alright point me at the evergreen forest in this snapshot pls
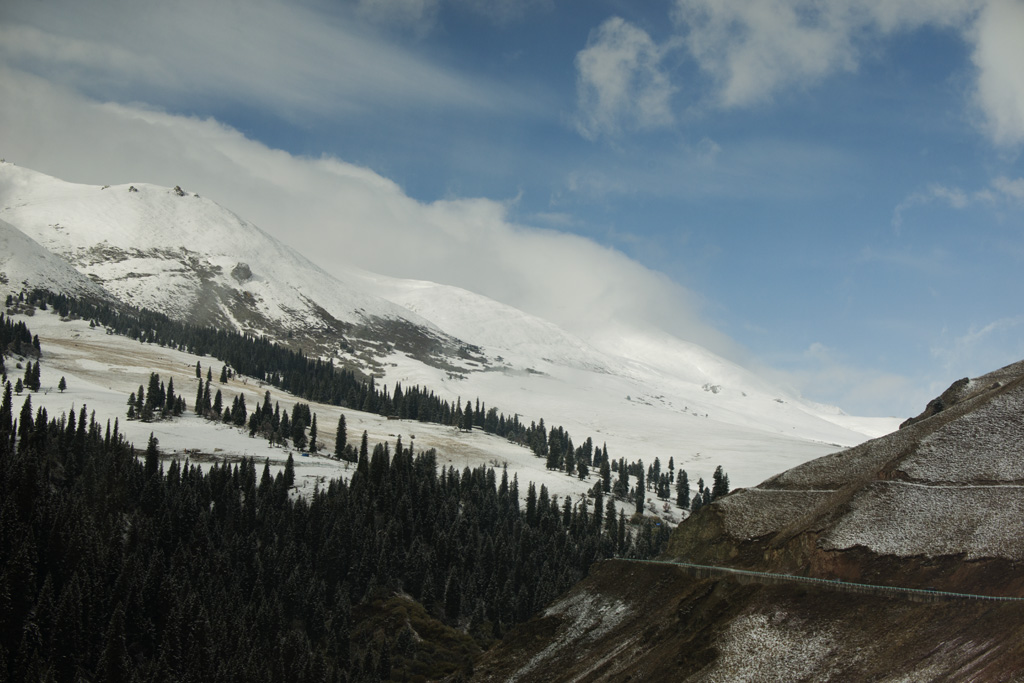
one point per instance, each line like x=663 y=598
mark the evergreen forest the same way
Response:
x=118 y=566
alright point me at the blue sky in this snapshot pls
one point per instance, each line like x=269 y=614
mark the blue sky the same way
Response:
x=831 y=192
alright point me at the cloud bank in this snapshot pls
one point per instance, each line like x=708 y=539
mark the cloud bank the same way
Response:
x=339 y=214
x=753 y=50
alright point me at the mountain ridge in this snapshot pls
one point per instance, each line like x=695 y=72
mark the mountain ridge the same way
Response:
x=174 y=252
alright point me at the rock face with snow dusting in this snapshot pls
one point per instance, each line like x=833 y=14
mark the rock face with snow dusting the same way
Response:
x=938 y=506
x=942 y=500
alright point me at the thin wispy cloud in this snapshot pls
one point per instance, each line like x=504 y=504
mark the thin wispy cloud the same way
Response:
x=182 y=51
x=1001 y=190
x=982 y=348
x=621 y=84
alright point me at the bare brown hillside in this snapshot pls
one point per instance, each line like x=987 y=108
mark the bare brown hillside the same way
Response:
x=938 y=505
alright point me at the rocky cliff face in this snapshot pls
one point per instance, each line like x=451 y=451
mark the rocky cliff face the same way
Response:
x=938 y=505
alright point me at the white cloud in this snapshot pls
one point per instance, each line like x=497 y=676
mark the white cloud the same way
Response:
x=502 y=12
x=982 y=349
x=754 y=49
x=1002 y=188
x=998 y=38
x=1012 y=188
x=620 y=83
x=420 y=15
x=824 y=371
x=338 y=213
x=292 y=59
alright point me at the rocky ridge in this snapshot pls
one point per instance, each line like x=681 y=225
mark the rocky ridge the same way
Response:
x=937 y=506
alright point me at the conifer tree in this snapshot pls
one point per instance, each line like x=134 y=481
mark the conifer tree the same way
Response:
x=62 y=385
x=170 y=402
x=340 y=438
x=152 y=455
x=312 y=435
x=720 y=483
x=199 y=393
x=683 y=490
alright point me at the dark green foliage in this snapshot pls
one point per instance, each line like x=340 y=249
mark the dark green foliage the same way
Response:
x=16 y=338
x=113 y=570
x=158 y=403
x=32 y=380
x=720 y=483
x=683 y=490
x=340 y=438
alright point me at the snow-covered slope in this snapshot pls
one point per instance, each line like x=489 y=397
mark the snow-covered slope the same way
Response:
x=644 y=393
x=25 y=264
x=186 y=256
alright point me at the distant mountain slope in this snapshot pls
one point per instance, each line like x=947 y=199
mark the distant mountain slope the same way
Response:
x=183 y=255
x=25 y=264
x=646 y=394
x=936 y=506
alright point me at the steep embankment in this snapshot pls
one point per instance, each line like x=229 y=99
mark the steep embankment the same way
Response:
x=935 y=506
x=634 y=622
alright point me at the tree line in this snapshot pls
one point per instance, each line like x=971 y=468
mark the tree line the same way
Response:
x=320 y=381
x=114 y=567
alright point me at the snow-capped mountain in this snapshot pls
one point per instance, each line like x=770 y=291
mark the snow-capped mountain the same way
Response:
x=186 y=256
x=646 y=394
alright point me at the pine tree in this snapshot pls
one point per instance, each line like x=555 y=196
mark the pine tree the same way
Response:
x=223 y=374
x=312 y=435
x=115 y=664
x=152 y=456
x=683 y=490
x=32 y=381
x=720 y=484
x=199 y=393
x=62 y=385
x=289 y=472
x=340 y=438
x=170 y=402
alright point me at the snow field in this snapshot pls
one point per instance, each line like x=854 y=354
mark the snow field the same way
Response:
x=102 y=370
